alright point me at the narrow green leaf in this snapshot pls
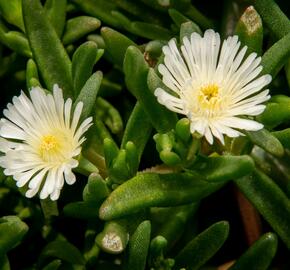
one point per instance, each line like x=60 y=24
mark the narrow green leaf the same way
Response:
x=78 y=27
x=12 y=230
x=224 y=168
x=187 y=29
x=138 y=247
x=12 y=12
x=88 y=94
x=250 y=30
x=157 y=5
x=170 y=158
x=56 y=13
x=151 y=189
x=283 y=136
x=273 y=17
x=100 y=9
x=193 y=13
x=269 y=200
x=15 y=41
x=177 y=17
x=85 y=167
x=182 y=129
x=31 y=74
x=54 y=265
x=83 y=61
x=111 y=151
x=201 y=248
x=63 y=250
x=275 y=114
x=136 y=72
x=275 y=57
x=119 y=171
x=259 y=255
x=267 y=141
x=138 y=121
x=96 y=189
x=116 y=44
x=140 y=10
x=132 y=158
x=48 y=51
x=109 y=115
x=173 y=228
x=150 y=31
x=4 y=263
x=123 y=20
x=109 y=88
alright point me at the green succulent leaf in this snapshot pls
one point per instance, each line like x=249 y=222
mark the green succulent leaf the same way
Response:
x=88 y=94
x=100 y=9
x=275 y=114
x=48 y=51
x=12 y=230
x=12 y=12
x=138 y=247
x=276 y=57
x=267 y=141
x=283 y=136
x=78 y=27
x=109 y=115
x=54 y=265
x=273 y=17
x=83 y=61
x=187 y=28
x=150 y=31
x=15 y=40
x=172 y=229
x=224 y=168
x=138 y=121
x=56 y=13
x=4 y=263
x=136 y=71
x=32 y=79
x=116 y=44
x=152 y=189
x=259 y=255
x=96 y=189
x=269 y=200
x=201 y=248
x=62 y=249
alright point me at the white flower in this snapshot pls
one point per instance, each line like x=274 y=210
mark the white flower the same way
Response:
x=40 y=140
x=213 y=86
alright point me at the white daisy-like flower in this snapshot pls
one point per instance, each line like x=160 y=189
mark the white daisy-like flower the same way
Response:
x=40 y=140
x=213 y=85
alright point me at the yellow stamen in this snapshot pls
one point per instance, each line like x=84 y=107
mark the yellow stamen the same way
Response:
x=210 y=91
x=49 y=146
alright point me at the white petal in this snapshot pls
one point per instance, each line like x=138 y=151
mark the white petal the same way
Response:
x=70 y=178
x=240 y=123
x=172 y=103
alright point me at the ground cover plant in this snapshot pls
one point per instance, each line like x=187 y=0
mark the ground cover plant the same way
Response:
x=149 y=134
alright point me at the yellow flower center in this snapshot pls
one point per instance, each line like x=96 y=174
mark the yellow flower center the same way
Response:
x=210 y=91
x=208 y=97
x=48 y=143
x=49 y=147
